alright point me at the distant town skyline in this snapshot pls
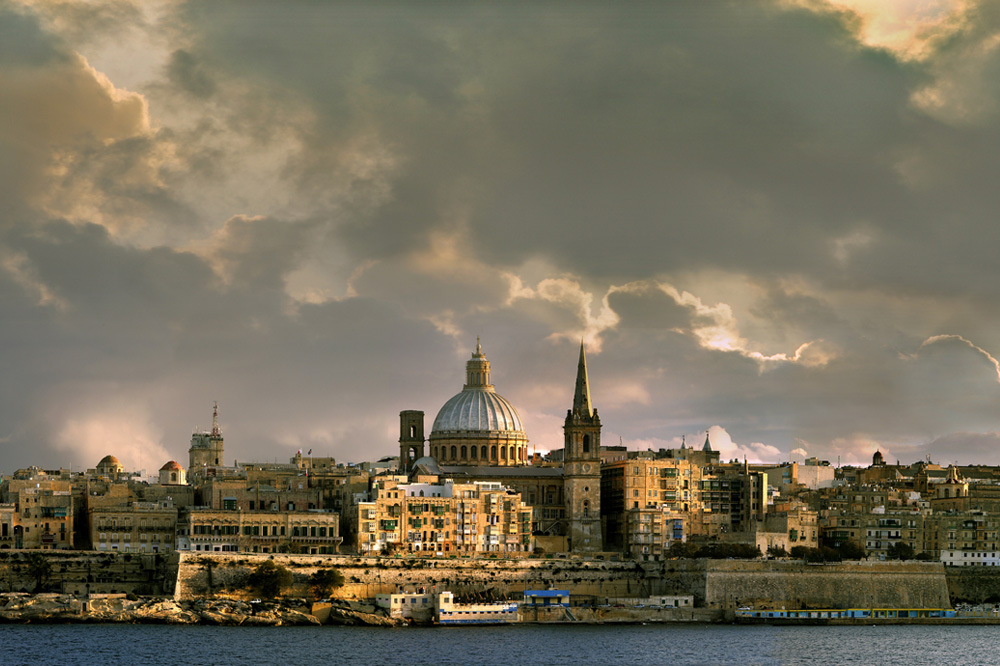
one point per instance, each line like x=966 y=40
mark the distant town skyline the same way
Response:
x=774 y=219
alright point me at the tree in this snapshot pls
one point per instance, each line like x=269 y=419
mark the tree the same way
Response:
x=852 y=550
x=776 y=551
x=900 y=551
x=40 y=569
x=269 y=579
x=325 y=581
x=682 y=549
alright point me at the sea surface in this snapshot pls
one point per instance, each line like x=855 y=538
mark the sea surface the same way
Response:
x=152 y=645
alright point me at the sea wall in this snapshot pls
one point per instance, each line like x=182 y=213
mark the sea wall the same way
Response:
x=201 y=574
x=793 y=584
x=974 y=585
x=86 y=572
x=712 y=583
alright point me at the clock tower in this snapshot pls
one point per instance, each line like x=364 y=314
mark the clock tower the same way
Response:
x=582 y=468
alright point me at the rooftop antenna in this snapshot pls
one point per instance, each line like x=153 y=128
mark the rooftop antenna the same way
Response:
x=216 y=432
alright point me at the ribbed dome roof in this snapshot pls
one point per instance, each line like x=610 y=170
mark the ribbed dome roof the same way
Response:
x=109 y=460
x=477 y=410
x=173 y=464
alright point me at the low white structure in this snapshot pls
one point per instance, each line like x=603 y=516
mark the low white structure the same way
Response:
x=970 y=558
x=448 y=612
x=663 y=601
x=418 y=606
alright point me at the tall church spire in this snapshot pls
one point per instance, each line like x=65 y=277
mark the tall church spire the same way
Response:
x=581 y=397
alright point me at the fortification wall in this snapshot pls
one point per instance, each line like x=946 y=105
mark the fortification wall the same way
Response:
x=713 y=583
x=83 y=572
x=974 y=585
x=844 y=585
x=367 y=576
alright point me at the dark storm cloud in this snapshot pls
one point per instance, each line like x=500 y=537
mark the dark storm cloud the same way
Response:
x=185 y=72
x=308 y=211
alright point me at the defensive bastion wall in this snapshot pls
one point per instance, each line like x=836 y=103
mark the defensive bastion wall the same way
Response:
x=713 y=583
x=845 y=585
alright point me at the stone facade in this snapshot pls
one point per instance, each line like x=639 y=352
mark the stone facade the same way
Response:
x=140 y=527
x=448 y=518
x=210 y=530
x=582 y=467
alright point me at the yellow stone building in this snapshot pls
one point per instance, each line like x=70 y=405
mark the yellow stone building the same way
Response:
x=447 y=518
x=213 y=530
x=139 y=527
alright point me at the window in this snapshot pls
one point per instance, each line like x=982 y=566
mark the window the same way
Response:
x=586 y=443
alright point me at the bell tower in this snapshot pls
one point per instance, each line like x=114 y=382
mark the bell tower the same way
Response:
x=582 y=467
x=411 y=438
x=207 y=448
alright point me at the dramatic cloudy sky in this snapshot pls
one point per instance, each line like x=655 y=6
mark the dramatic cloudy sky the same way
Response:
x=773 y=219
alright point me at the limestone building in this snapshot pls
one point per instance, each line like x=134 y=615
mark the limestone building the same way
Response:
x=445 y=519
x=172 y=474
x=207 y=448
x=478 y=436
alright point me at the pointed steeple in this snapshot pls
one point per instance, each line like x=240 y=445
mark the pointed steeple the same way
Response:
x=708 y=444
x=683 y=443
x=581 y=397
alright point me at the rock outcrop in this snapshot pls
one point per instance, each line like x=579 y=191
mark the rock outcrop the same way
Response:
x=45 y=608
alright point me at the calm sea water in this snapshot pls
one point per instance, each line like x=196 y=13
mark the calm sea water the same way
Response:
x=150 y=645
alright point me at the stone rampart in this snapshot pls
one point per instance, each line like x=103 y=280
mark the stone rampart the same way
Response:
x=713 y=583
x=974 y=585
x=86 y=572
x=791 y=584
x=202 y=574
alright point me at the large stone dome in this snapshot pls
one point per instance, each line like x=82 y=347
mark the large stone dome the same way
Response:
x=478 y=426
x=476 y=409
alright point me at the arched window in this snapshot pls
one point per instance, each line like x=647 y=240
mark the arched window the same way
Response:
x=434 y=451
x=493 y=453
x=510 y=453
x=454 y=452
x=586 y=508
x=586 y=443
x=503 y=453
x=465 y=452
x=475 y=450
x=484 y=452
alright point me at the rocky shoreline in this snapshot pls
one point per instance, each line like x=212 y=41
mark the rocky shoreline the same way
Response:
x=62 y=608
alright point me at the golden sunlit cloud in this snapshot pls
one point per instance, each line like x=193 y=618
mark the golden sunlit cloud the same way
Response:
x=18 y=267
x=905 y=27
x=958 y=338
x=571 y=295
